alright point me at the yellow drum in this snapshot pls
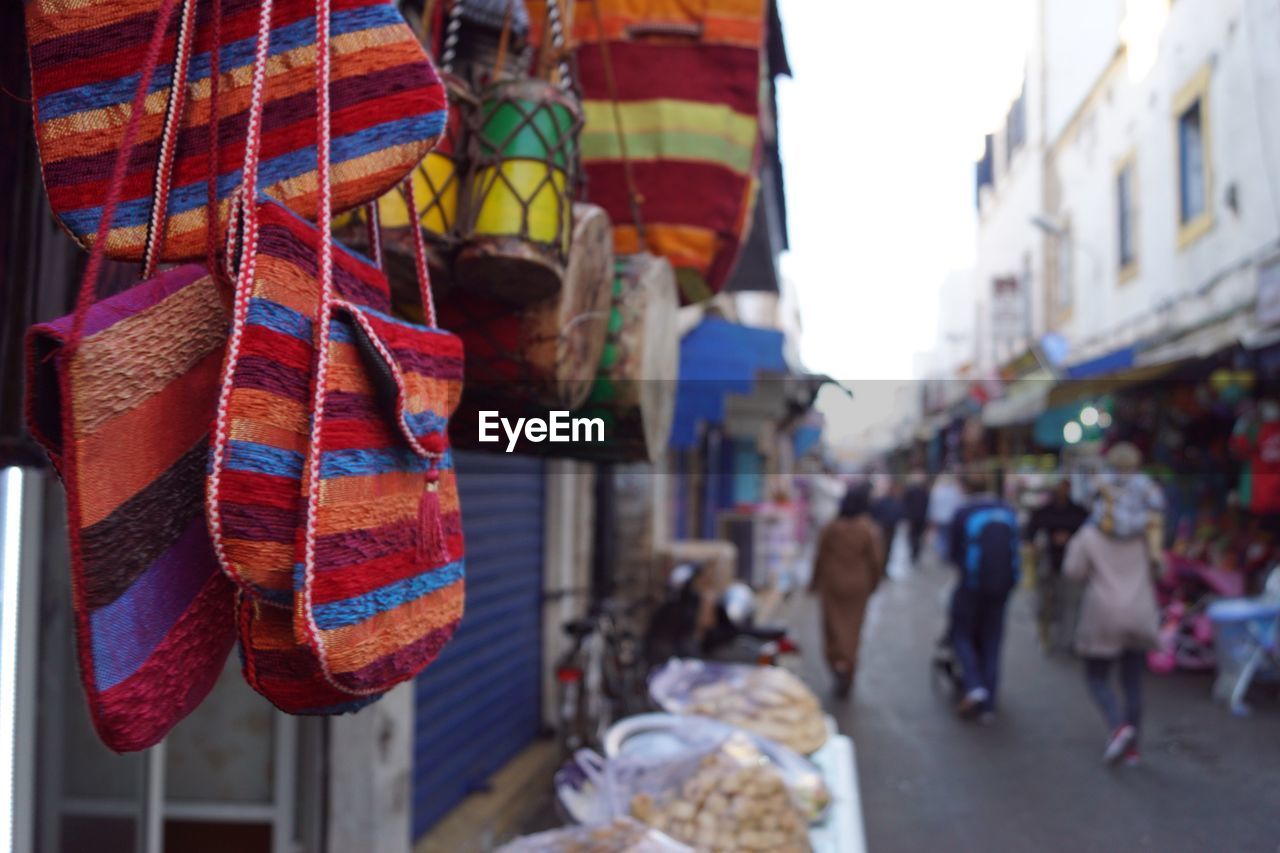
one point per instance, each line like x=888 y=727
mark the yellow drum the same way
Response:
x=438 y=189
x=519 y=215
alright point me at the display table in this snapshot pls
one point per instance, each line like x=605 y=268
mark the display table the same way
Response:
x=842 y=830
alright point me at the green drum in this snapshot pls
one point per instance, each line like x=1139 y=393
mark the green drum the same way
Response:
x=524 y=176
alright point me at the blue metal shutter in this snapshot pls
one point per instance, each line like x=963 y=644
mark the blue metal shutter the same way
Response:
x=480 y=703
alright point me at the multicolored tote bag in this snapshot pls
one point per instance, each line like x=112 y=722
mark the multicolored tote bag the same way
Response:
x=122 y=395
x=134 y=403
x=387 y=110
x=330 y=496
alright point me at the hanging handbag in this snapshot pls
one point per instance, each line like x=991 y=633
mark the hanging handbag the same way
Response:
x=330 y=497
x=121 y=394
x=388 y=109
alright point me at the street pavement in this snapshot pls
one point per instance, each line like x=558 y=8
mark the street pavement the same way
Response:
x=1034 y=781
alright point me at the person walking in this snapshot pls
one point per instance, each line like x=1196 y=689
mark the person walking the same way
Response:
x=887 y=510
x=944 y=500
x=915 y=506
x=1056 y=522
x=1119 y=622
x=984 y=549
x=849 y=567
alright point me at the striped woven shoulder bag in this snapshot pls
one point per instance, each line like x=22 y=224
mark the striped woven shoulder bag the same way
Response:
x=331 y=497
x=122 y=394
x=387 y=112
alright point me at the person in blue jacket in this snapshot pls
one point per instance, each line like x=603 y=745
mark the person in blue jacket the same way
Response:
x=984 y=549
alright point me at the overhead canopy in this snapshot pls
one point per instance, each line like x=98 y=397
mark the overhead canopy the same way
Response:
x=1103 y=365
x=1026 y=399
x=1200 y=343
x=718 y=358
x=1071 y=391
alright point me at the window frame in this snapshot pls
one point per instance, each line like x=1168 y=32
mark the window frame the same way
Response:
x=1195 y=92
x=1127 y=268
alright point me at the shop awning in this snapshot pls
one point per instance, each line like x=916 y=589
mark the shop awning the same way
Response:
x=1199 y=343
x=1104 y=365
x=1023 y=403
x=1069 y=391
x=718 y=358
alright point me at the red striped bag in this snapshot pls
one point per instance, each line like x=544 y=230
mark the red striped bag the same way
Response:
x=330 y=495
x=388 y=109
x=121 y=394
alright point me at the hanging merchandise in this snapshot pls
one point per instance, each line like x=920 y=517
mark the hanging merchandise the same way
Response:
x=331 y=497
x=133 y=402
x=635 y=388
x=491 y=39
x=544 y=355
x=388 y=109
x=671 y=143
x=519 y=216
x=439 y=183
x=1257 y=442
x=121 y=394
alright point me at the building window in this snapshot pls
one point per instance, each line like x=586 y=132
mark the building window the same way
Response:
x=1195 y=178
x=984 y=170
x=1015 y=126
x=1191 y=164
x=1126 y=219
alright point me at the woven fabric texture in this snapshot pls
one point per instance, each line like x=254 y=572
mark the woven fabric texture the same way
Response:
x=388 y=109
x=383 y=592
x=154 y=616
x=687 y=77
x=326 y=628
x=259 y=495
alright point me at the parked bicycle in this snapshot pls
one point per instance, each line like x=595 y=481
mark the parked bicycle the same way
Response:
x=601 y=677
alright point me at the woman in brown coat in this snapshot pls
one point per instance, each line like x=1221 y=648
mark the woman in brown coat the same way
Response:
x=848 y=568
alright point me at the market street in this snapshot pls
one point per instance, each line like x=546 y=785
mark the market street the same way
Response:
x=1034 y=780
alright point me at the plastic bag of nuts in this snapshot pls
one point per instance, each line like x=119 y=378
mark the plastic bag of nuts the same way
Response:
x=621 y=835
x=727 y=798
x=766 y=700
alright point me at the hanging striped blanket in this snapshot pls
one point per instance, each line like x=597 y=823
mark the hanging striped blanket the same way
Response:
x=688 y=82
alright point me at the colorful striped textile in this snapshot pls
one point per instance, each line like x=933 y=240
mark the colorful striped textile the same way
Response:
x=383 y=585
x=366 y=596
x=388 y=109
x=280 y=668
x=135 y=402
x=688 y=85
x=258 y=502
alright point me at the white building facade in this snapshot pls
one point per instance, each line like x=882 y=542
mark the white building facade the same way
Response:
x=1132 y=195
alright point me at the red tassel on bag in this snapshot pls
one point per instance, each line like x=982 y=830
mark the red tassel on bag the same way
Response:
x=431 y=544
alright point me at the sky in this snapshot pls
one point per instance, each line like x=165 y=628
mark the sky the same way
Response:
x=879 y=130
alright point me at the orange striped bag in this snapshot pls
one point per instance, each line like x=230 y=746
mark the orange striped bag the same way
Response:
x=387 y=111
x=330 y=498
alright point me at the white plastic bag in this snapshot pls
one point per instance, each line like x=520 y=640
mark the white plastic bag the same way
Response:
x=766 y=700
x=723 y=797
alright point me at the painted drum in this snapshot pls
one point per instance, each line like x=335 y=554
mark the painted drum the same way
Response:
x=634 y=391
x=438 y=184
x=524 y=359
x=519 y=216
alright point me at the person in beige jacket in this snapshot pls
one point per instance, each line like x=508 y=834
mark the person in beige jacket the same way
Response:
x=849 y=566
x=1119 y=620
